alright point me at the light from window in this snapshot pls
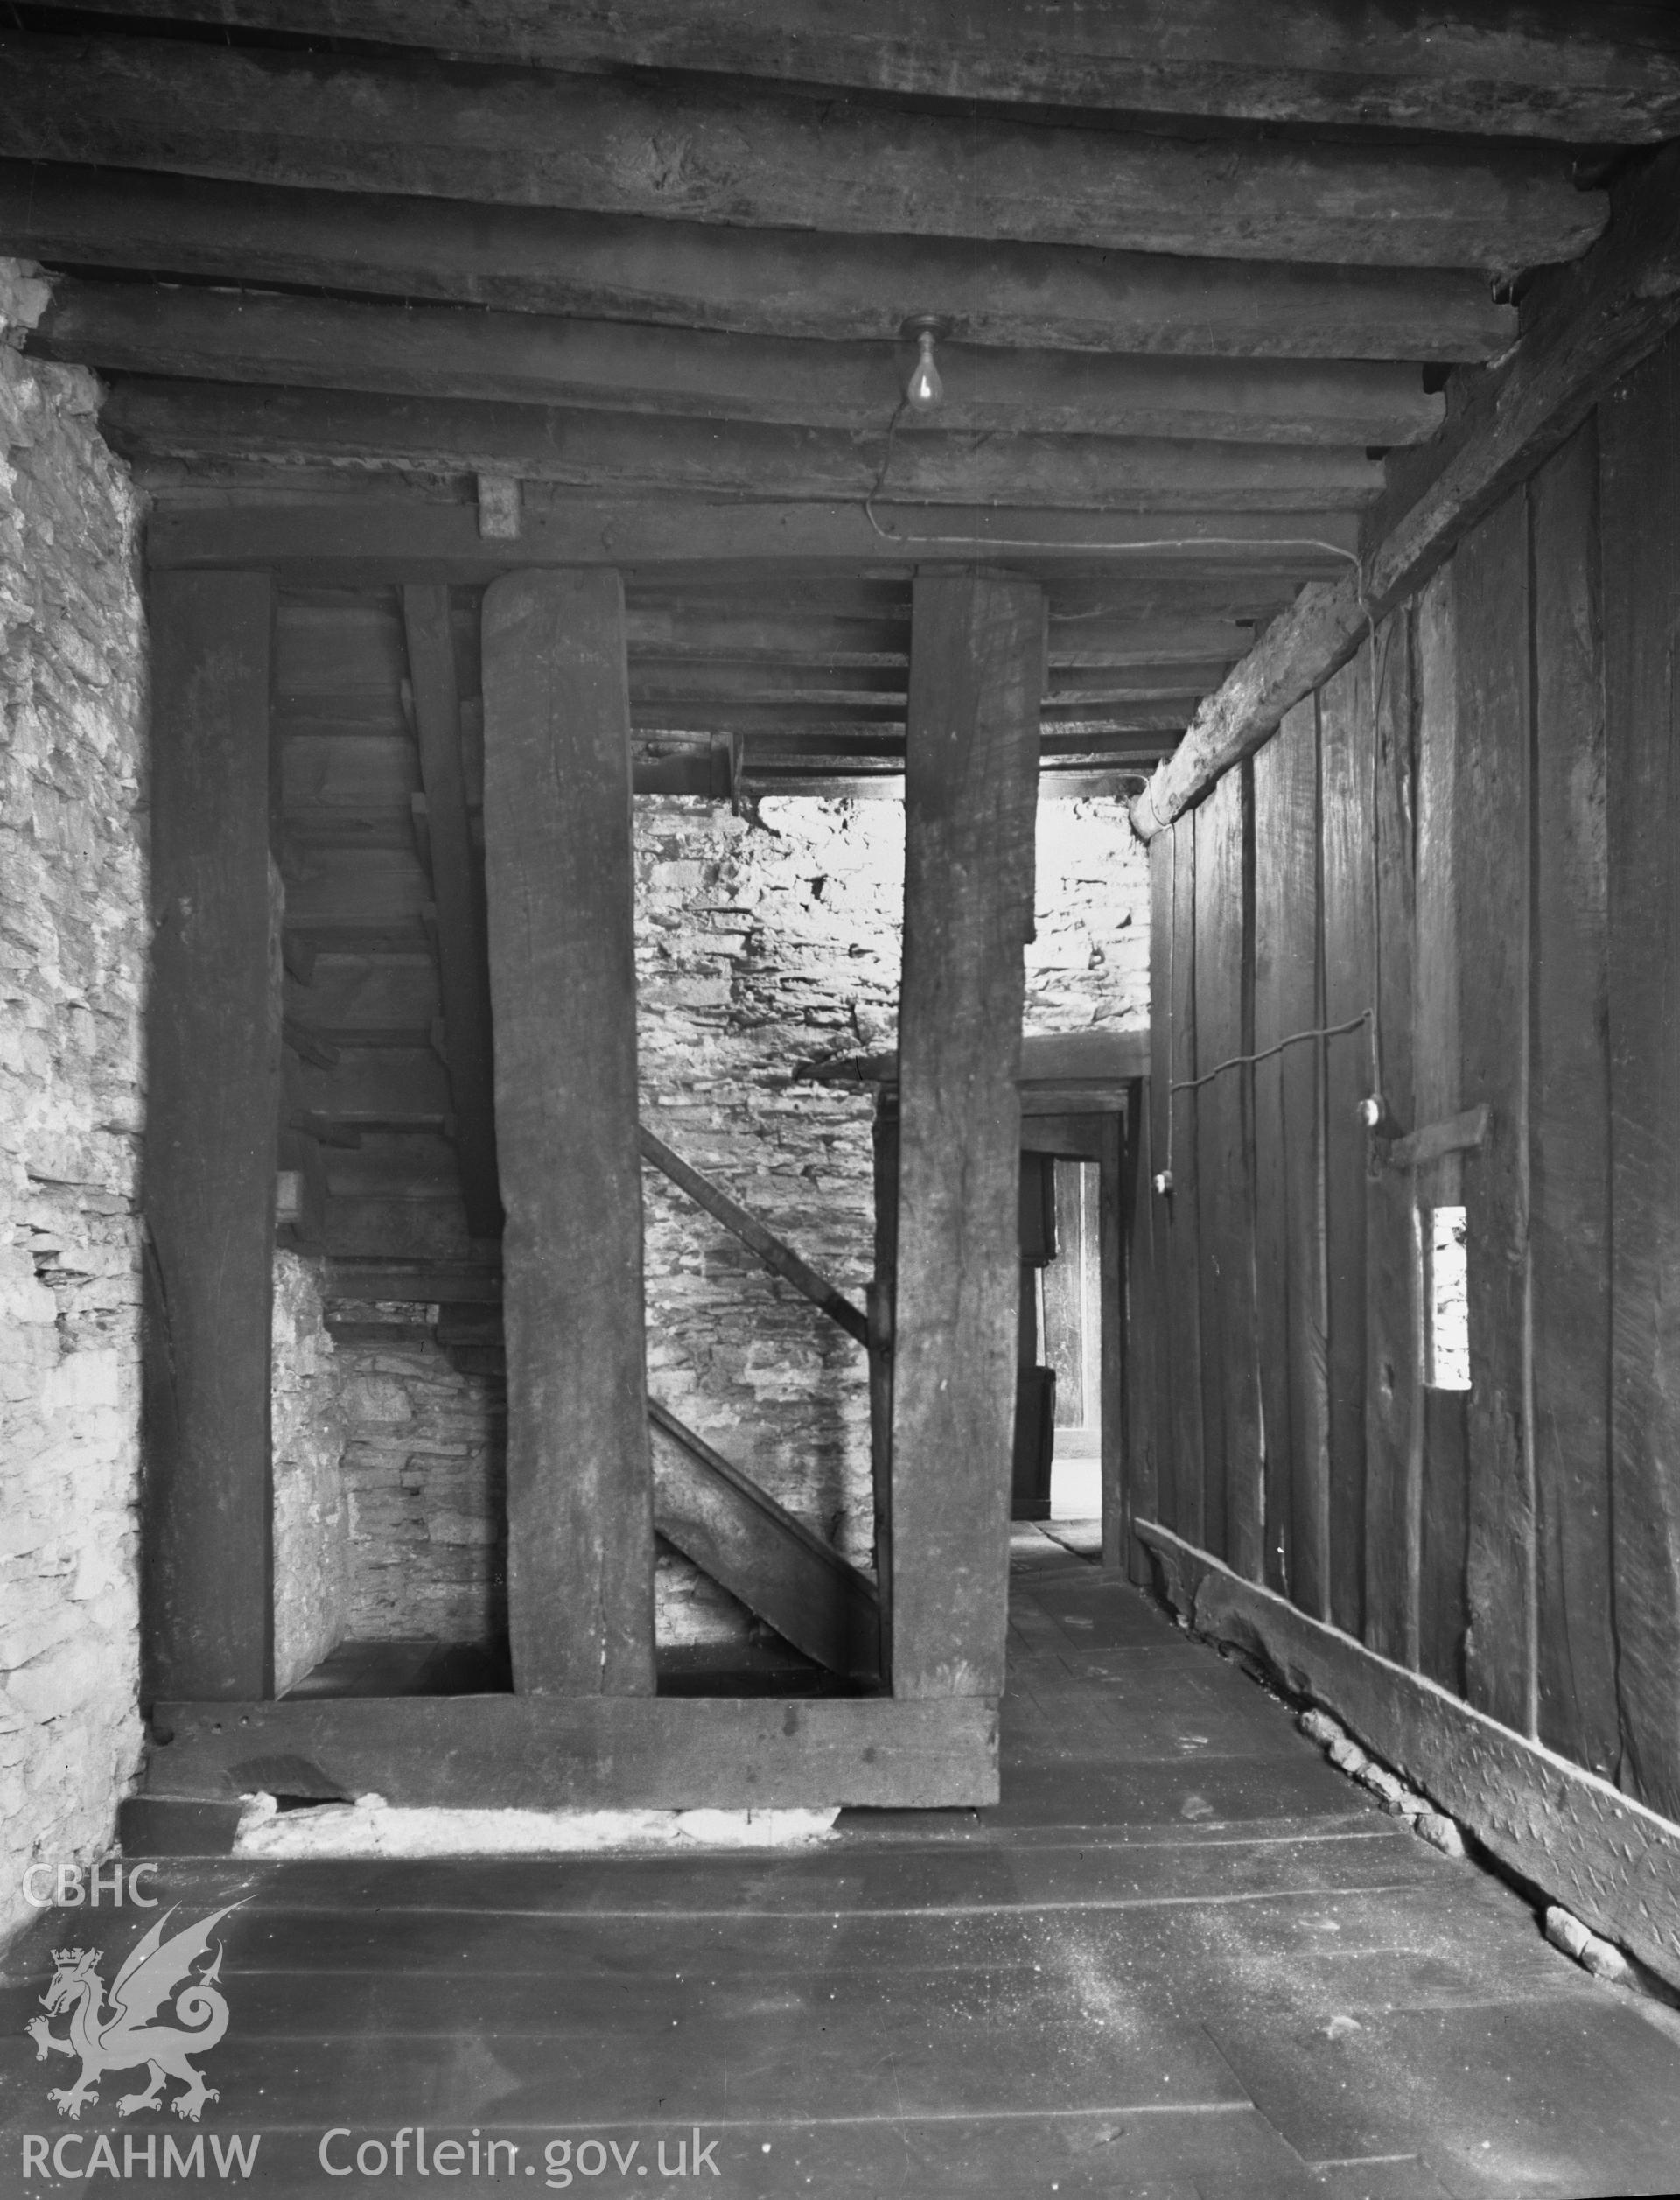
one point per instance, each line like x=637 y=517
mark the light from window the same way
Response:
x=1449 y=1300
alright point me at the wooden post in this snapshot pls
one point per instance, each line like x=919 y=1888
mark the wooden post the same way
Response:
x=976 y=678
x=213 y=1068
x=560 y=884
x=1128 y=1456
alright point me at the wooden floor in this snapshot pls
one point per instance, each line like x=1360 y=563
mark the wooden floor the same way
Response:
x=1183 y=1960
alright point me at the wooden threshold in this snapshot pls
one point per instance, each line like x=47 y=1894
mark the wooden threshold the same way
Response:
x=1613 y=1862
x=590 y=1752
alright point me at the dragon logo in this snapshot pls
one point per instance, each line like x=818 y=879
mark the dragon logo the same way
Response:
x=157 y=1972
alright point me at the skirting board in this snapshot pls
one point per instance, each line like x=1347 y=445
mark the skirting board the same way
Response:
x=1613 y=1862
x=584 y=1752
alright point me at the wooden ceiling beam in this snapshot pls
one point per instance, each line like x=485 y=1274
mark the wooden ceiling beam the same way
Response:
x=836 y=727
x=1583 y=327
x=663 y=685
x=363 y=540
x=599 y=450
x=441 y=352
x=718 y=152
x=1612 y=73
x=756 y=282
x=659 y=637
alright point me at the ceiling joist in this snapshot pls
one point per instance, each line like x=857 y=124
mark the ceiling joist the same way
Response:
x=757 y=282
x=718 y=153
x=1584 y=328
x=1611 y=72
x=599 y=450
x=539 y=358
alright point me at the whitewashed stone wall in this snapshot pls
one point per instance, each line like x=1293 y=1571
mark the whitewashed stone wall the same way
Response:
x=73 y=952
x=311 y=1553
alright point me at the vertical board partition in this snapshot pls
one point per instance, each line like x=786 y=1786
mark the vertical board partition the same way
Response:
x=1446 y=883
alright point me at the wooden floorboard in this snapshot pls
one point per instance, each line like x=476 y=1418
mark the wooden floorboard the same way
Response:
x=1182 y=1959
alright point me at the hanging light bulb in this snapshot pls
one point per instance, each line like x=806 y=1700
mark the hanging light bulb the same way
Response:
x=924 y=392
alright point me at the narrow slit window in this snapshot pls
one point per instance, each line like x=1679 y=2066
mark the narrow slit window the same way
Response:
x=1449 y=1300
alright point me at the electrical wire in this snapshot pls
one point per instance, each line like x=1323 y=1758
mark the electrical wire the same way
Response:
x=1238 y=1061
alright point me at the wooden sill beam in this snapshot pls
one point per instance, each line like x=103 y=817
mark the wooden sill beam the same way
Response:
x=258 y=337
x=755 y=283
x=1613 y=75
x=1613 y=1862
x=750 y=158
x=592 y=1752
x=639 y=452
x=1583 y=327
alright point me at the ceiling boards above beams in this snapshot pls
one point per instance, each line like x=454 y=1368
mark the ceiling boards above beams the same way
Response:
x=1583 y=327
x=755 y=282
x=1612 y=73
x=623 y=451
x=257 y=337
x=714 y=152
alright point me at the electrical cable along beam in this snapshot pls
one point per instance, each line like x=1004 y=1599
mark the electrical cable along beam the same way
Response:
x=780 y=1259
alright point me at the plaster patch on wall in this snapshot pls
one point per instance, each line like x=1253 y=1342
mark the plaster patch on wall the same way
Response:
x=311 y=1544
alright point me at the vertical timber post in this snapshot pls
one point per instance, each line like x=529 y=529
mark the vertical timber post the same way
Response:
x=560 y=884
x=213 y=1122
x=976 y=681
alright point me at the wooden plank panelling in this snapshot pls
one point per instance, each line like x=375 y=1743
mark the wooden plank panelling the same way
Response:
x=976 y=674
x=1639 y=427
x=1123 y=1473
x=1349 y=990
x=1182 y=1217
x=558 y=843
x=1443 y=1615
x=1224 y=1144
x=1491 y=821
x=1393 y=1302
x=1569 y=1122
x=1289 y=1265
x=1141 y=1475
x=1159 y=1101
x=212 y=1123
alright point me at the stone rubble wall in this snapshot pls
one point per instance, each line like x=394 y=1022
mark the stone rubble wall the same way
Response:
x=311 y=1539
x=73 y=960
x=424 y=1481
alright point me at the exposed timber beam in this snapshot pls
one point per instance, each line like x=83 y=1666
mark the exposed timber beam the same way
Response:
x=589 y=1753
x=718 y=153
x=366 y=540
x=1610 y=73
x=638 y=451
x=659 y=636
x=561 y=892
x=755 y=282
x=760 y=1552
x=1583 y=327
x=618 y=367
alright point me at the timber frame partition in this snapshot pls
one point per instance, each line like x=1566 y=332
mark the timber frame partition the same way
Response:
x=584 y=1727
